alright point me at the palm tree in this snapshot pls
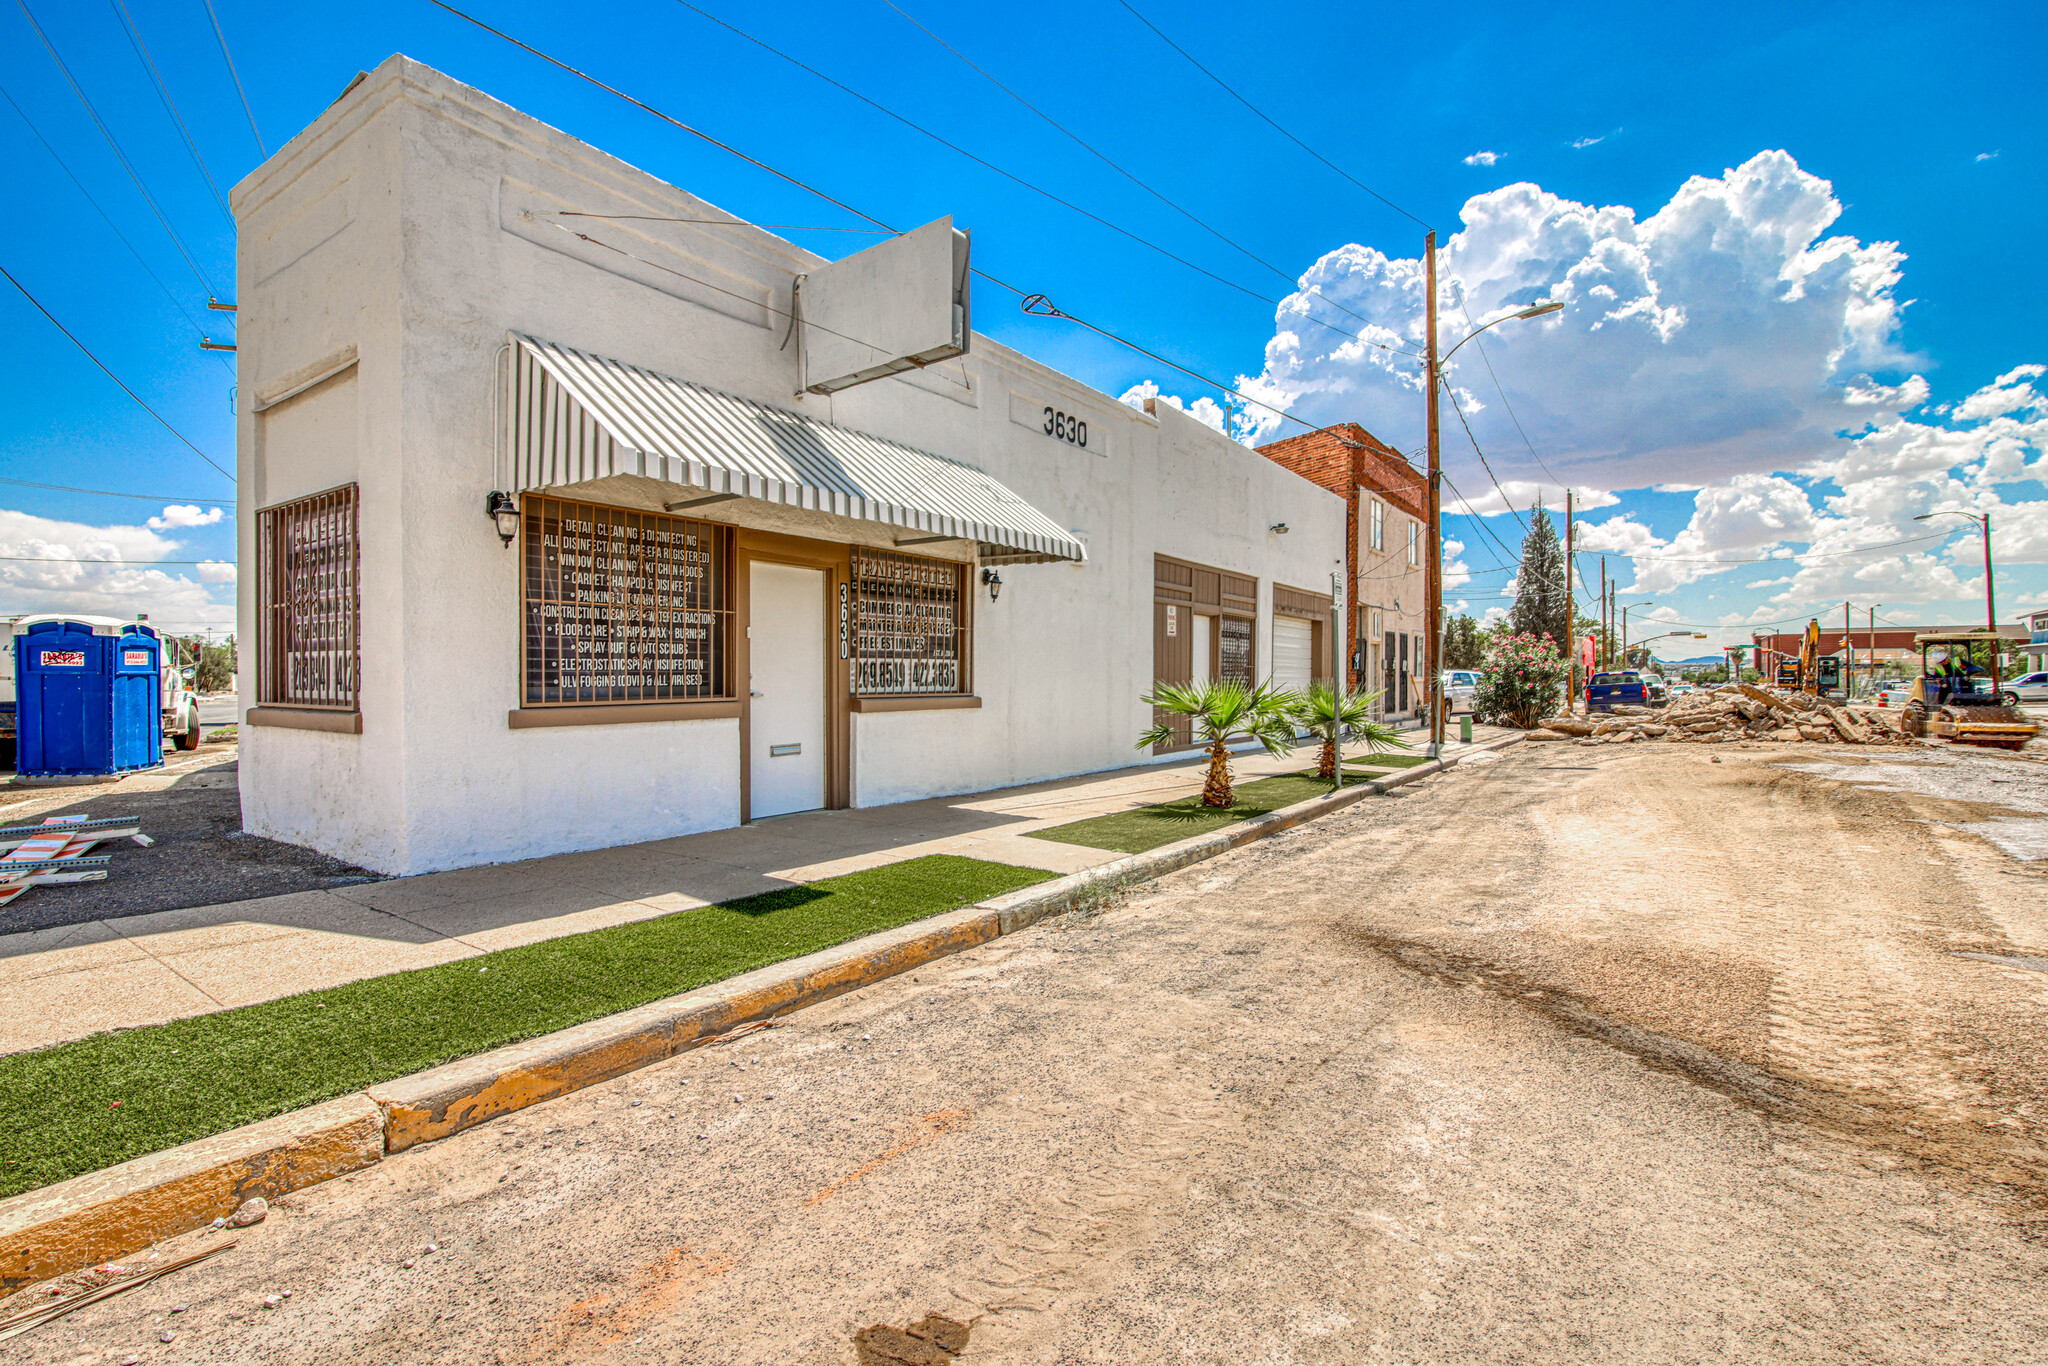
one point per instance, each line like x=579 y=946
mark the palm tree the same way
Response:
x=1334 y=715
x=1222 y=710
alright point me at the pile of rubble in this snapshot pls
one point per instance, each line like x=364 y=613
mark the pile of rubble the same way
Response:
x=1733 y=711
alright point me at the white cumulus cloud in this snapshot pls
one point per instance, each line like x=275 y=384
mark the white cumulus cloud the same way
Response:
x=1482 y=159
x=47 y=565
x=184 y=515
x=1204 y=410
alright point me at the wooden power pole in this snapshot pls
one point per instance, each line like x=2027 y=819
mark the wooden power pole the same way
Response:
x=1434 y=563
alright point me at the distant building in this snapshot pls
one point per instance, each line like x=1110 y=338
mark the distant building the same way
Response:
x=1890 y=645
x=1386 y=537
x=2036 y=654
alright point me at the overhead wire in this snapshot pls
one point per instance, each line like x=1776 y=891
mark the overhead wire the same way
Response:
x=1505 y=500
x=1025 y=183
x=122 y=237
x=140 y=402
x=1269 y=120
x=119 y=155
x=1110 y=162
x=163 y=93
x=219 y=36
x=110 y=493
x=1028 y=299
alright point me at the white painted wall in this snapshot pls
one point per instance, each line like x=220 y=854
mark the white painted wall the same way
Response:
x=408 y=223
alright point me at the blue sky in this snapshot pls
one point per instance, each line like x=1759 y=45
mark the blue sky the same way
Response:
x=1712 y=188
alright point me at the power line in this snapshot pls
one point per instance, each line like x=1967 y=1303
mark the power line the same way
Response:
x=1106 y=160
x=1505 y=500
x=1773 y=559
x=714 y=222
x=119 y=155
x=163 y=93
x=234 y=75
x=1027 y=299
x=111 y=225
x=1269 y=120
x=1024 y=183
x=119 y=564
x=109 y=373
x=109 y=493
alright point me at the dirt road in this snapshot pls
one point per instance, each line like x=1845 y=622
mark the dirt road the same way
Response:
x=1583 y=1055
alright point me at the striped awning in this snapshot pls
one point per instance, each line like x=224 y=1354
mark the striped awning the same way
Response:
x=574 y=417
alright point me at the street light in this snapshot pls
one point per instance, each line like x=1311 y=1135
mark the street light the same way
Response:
x=1434 y=616
x=1624 y=628
x=1983 y=521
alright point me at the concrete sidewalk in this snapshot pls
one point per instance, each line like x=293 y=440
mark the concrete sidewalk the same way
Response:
x=118 y=973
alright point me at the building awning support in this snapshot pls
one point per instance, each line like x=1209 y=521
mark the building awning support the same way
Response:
x=574 y=417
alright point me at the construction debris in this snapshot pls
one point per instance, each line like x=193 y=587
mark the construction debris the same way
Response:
x=1731 y=712
x=18 y=1324
x=52 y=851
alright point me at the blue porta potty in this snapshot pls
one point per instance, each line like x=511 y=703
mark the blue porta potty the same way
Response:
x=88 y=697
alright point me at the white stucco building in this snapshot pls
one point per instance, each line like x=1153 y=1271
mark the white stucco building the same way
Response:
x=721 y=599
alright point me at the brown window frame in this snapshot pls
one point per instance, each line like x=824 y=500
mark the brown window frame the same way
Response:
x=319 y=607
x=867 y=625
x=620 y=605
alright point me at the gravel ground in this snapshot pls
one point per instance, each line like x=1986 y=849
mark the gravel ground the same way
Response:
x=192 y=808
x=1573 y=1056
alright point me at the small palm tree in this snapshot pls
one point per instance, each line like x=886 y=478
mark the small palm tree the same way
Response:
x=1223 y=710
x=1334 y=715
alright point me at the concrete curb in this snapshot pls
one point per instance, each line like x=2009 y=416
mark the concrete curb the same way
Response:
x=125 y=1208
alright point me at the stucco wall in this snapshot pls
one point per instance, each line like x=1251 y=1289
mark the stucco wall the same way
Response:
x=445 y=249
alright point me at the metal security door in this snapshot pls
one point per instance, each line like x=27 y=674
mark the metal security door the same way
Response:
x=786 y=702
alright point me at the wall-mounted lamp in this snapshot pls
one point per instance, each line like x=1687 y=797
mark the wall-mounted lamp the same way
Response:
x=503 y=509
x=994 y=582
x=1278 y=528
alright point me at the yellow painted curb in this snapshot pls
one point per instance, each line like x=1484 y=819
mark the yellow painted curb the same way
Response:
x=123 y=1209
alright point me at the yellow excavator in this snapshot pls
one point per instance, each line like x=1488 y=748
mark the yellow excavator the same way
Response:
x=1959 y=700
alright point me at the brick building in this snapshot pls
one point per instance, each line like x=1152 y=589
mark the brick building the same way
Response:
x=1386 y=538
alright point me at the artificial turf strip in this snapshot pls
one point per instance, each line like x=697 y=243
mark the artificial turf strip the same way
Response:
x=1148 y=827
x=1389 y=760
x=80 y=1106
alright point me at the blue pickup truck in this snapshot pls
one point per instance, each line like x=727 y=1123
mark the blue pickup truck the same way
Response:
x=1604 y=692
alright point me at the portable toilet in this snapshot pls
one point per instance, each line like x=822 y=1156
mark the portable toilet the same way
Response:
x=87 y=696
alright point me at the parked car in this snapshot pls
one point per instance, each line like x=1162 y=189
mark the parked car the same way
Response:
x=1681 y=689
x=1606 y=691
x=1459 y=686
x=1659 y=689
x=2029 y=687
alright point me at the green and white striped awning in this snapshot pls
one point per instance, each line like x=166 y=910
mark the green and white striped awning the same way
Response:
x=575 y=417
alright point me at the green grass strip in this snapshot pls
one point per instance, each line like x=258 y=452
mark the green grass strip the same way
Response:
x=1389 y=760
x=80 y=1106
x=1148 y=827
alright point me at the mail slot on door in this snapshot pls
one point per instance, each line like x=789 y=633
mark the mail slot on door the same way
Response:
x=784 y=751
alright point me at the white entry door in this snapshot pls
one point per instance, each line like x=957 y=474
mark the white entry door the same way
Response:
x=786 y=706
x=1294 y=659
x=1200 y=647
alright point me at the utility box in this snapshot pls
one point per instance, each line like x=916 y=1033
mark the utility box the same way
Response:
x=87 y=697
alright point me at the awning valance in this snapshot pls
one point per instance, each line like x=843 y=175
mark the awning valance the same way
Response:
x=574 y=417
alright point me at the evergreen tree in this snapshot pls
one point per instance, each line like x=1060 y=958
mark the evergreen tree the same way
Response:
x=1542 y=607
x=1464 y=643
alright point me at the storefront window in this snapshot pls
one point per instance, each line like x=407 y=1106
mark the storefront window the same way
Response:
x=1234 y=649
x=624 y=606
x=904 y=627
x=309 y=603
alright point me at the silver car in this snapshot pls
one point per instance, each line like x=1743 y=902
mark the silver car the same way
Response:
x=2029 y=687
x=1459 y=686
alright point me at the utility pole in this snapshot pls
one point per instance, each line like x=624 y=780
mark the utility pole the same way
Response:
x=1849 y=648
x=1873 y=648
x=1433 y=550
x=1600 y=657
x=1571 y=605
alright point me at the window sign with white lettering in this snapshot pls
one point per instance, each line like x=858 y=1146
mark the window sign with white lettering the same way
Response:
x=624 y=606
x=910 y=628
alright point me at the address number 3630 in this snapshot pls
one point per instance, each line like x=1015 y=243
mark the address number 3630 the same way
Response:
x=1062 y=427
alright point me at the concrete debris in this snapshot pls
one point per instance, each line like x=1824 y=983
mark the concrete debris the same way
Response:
x=1732 y=712
x=253 y=1211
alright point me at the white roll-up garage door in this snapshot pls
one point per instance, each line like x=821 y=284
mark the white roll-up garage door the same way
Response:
x=1293 y=652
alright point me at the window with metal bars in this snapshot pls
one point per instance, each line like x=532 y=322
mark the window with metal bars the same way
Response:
x=908 y=633
x=623 y=606
x=309 y=603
